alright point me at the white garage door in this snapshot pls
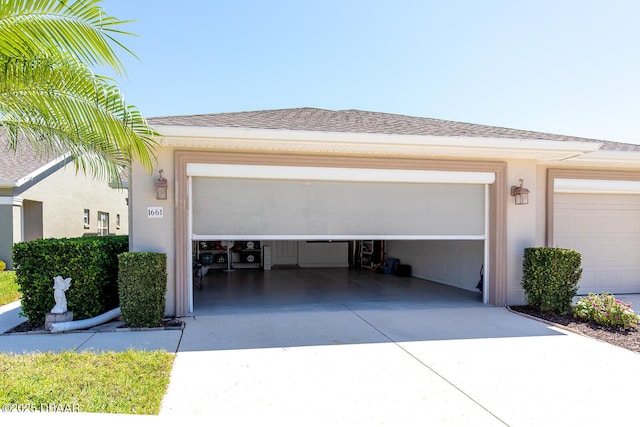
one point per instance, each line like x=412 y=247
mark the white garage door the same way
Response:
x=605 y=228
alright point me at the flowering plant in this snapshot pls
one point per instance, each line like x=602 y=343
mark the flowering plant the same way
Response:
x=607 y=310
x=3 y=265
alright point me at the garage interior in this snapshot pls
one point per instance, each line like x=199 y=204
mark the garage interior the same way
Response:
x=284 y=274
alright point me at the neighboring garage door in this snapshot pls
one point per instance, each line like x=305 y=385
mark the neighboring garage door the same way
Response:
x=605 y=228
x=335 y=205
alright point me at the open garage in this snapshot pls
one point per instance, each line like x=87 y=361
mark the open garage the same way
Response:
x=432 y=225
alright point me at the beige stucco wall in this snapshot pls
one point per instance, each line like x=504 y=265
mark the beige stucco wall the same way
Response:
x=154 y=234
x=65 y=195
x=521 y=225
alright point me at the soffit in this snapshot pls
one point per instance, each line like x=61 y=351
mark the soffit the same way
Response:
x=343 y=143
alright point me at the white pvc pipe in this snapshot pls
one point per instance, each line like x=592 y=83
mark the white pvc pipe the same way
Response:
x=86 y=323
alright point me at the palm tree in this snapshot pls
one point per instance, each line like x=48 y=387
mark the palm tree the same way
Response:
x=50 y=96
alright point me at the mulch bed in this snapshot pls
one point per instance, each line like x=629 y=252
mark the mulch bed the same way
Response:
x=36 y=327
x=626 y=338
x=27 y=326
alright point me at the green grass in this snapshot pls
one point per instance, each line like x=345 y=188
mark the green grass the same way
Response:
x=9 y=290
x=131 y=382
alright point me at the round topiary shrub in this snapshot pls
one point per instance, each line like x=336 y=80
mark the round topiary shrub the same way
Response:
x=142 y=284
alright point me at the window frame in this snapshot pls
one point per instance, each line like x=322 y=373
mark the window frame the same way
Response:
x=86 y=221
x=103 y=223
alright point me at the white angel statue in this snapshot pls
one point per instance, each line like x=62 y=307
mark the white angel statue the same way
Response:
x=60 y=285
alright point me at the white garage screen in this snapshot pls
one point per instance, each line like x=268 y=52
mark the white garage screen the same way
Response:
x=308 y=209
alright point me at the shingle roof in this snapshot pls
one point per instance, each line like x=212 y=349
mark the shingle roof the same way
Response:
x=24 y=161
x=357 y=121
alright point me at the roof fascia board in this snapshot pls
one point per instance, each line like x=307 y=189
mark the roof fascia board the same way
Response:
x=41 y=170
x=611 y=156
x=281 y=135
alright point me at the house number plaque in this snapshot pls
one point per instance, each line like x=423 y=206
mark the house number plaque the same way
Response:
x=155 y=212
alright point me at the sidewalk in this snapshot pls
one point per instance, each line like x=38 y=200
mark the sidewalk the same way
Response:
x=94 y=340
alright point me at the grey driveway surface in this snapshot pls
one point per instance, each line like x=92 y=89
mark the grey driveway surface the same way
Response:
x=379 y=360
x=480 y=366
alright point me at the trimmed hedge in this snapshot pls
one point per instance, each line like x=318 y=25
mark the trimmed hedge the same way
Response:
x=550 y=278
x=142 y=284
x=91 y=262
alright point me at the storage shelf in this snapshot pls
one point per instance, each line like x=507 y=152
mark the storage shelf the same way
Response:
x=241 y=249
x=368 y=253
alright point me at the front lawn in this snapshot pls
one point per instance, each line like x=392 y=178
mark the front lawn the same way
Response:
x=9 y=290
x=131 y=382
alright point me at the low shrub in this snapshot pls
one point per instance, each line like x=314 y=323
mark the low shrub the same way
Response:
x=550 y=278
x=142 y=284
x=91 y=262
x=606 y=310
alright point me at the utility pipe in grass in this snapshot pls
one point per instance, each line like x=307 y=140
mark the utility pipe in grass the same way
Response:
x=86 y=323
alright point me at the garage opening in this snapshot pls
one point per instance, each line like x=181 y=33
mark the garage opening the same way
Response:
x=288 y=273
x=435 y=222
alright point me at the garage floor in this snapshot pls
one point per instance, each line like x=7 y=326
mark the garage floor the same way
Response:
x=327 y=288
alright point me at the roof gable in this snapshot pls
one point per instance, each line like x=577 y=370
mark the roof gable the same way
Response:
x=25 y=161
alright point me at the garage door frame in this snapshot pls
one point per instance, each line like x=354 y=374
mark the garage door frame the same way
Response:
x=496 y=269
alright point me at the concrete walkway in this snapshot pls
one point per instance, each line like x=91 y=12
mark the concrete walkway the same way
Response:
x=370 y=365
x=94 y=340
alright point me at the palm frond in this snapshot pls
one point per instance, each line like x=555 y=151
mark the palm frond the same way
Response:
x=31 y=28
x=60 y=105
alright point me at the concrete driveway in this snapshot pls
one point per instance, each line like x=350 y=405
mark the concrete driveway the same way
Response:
x=400 y=363
x=361 y=354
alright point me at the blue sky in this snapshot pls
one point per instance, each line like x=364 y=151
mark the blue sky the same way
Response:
x=564 y=66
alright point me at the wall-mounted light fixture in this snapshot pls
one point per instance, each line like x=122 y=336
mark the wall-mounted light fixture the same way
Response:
x=521 y=194
x=161 y=187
